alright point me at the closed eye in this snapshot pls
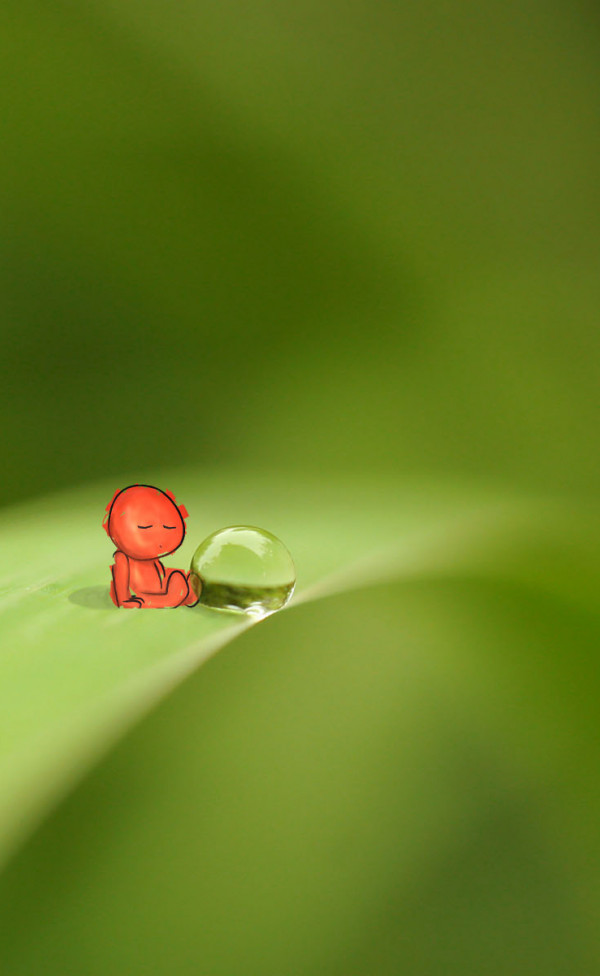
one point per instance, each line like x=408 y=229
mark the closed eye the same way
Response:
x=169 y=526
x=144 y=526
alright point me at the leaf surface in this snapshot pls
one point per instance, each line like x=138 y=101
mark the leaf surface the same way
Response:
x=75 y=672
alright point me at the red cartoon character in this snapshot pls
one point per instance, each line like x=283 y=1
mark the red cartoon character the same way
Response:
x=145 y=523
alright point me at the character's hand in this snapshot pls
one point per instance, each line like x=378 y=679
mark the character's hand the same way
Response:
x=133 y=604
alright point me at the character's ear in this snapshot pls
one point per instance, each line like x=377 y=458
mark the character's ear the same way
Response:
x=182 y=508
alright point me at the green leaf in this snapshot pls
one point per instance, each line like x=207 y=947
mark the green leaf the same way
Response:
x=76 y=673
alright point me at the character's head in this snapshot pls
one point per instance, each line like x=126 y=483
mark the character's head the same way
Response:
x=145 y=522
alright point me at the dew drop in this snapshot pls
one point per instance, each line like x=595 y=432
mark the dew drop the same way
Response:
x=244 y=569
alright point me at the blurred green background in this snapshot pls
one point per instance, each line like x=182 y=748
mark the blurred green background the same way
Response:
x=333 y=263
x=332 y=236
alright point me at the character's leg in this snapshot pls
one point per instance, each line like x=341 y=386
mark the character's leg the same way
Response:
x=176 y=593
x=191 y=600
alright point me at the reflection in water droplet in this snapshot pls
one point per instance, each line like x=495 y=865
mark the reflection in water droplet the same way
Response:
x=245 y=569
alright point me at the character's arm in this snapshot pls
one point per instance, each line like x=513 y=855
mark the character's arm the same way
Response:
x=120 y=574
x=160 y=569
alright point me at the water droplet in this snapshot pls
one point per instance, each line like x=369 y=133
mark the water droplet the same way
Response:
x=245 y=569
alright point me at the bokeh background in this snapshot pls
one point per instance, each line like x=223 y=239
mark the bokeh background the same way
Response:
x=315 y=243
x=331 y=236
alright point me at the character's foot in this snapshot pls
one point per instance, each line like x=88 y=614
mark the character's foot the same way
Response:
x=133 y=604
x=193 y=598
